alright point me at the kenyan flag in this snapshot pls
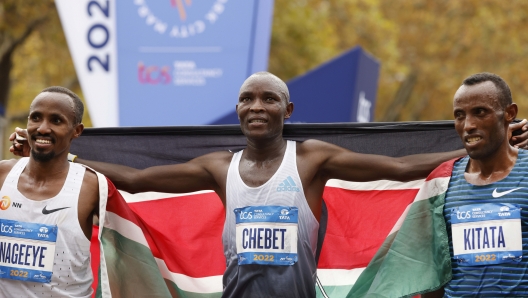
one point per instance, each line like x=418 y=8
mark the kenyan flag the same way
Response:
x=414 y=259
x=169 y=245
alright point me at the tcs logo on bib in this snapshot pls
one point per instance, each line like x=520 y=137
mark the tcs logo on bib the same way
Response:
x=5 y=203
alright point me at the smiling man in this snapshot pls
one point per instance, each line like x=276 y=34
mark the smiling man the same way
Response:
x=272 y=191
x=47 y=206
x=486 y=205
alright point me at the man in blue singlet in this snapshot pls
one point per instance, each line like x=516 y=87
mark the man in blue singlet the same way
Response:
x=486 y=205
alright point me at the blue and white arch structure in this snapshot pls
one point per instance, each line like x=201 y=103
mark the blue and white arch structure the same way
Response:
x=165 y=62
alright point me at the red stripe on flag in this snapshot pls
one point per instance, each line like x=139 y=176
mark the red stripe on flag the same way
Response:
x=443 y=170
x=356 y=225
x=94 y=257
x=184 y=231
x=187 y=232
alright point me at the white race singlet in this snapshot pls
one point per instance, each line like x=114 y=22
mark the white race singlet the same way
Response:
x=43 y=250
x=270 y=234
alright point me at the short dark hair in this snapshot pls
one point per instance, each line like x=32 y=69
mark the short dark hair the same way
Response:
x=504 y=93
x=78 y=106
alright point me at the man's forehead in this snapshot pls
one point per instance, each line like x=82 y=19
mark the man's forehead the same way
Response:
x=261 y=81
x=55 y=99
x=484 y=89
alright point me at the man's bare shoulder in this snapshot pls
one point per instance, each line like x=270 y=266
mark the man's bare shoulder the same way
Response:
x=218 y=157
x=318 y=147
x=7 y=165
x=90 y=178
x=5 y=168
x=90 y=183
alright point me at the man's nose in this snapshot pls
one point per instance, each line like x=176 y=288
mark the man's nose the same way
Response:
x=257 y=105
x=44 y=127
x=469 y=123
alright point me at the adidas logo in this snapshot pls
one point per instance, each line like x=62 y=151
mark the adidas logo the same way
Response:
x=288 y=185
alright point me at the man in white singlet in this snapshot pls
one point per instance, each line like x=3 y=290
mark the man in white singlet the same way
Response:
x=272 y=191
x=47 y=206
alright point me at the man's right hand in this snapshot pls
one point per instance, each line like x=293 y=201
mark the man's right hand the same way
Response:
x=19 y=147
x=520 y=140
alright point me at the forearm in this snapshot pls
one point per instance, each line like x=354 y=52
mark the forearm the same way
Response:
x=177 y=178
x=420 y=165
x=121 y=176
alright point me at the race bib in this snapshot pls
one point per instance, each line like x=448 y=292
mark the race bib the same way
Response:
x=486 y=234
x=266 y=235
x=27 y=250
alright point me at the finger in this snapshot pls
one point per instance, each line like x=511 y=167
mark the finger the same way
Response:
x=12 y=136
x=521 y=137
x=522 y=144
x=525 y=127
x=519 y=125
x=22 y=132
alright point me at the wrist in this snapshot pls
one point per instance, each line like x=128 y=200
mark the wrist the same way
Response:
x=71 y=157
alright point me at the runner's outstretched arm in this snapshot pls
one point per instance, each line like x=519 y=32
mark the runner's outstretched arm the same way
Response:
x=338 y=163
x=197 y=174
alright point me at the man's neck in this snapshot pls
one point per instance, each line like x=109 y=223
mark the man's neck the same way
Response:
x=42 y=171
x=493 y=168
x=262 y=150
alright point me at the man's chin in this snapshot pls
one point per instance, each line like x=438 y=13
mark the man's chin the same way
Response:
x=478 y=154
x=41 y=156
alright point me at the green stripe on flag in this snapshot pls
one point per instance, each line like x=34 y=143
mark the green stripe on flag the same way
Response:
x=177 y=292
x=413 y=260
x=125 y=256
x=333 y=291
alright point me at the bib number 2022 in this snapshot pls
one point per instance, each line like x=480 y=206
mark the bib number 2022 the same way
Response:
x=19 y=273
x=266 y=258
x=484 y=258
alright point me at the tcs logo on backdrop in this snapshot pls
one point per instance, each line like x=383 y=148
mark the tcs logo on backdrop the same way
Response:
x=152 y=74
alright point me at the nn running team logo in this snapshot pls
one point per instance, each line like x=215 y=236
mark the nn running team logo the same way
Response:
x=5 y=202
x=288 y=185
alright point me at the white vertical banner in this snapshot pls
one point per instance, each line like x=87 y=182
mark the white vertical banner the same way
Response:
x=90 y=29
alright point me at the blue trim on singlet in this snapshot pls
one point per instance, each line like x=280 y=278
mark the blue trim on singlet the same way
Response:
x=498 y=280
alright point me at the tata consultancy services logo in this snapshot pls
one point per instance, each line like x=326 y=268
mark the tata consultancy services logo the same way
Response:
x=183 y=23
x=5 y=202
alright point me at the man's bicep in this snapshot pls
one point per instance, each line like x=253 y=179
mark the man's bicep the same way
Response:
x=352 y=166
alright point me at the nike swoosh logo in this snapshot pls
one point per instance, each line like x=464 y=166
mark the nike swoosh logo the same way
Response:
x=497 y=194
x=48 y=211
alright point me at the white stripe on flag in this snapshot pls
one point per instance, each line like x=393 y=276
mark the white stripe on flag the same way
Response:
x=339 y=277
x=209 y=284
x=125 y=227
x=152 y=196
x=430 y=189
x=128 y=229
x=375 y=185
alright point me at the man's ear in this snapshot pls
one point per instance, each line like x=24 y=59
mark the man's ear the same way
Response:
x=289 y=110
x=78 y=130
x=510 y=113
